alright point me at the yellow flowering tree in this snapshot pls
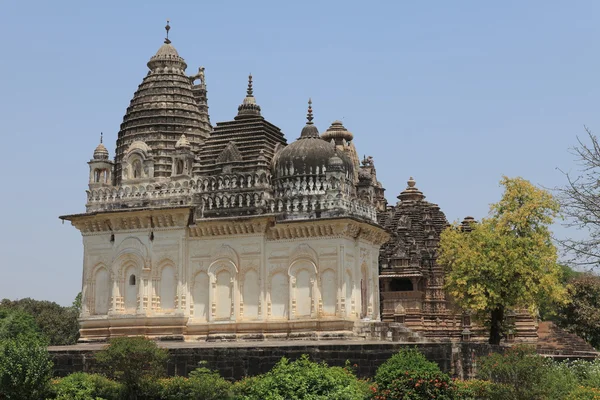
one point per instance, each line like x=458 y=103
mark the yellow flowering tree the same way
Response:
x=507 y=261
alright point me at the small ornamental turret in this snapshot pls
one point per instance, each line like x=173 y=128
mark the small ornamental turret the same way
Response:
x=411 y=192
x=249 y=106
x=467 y=224
x=101 y=153
x=101 y=168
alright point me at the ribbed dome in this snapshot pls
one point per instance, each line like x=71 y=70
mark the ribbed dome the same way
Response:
x=101 y=153
x=309 y=155
x=337 y=131
x=162 y=109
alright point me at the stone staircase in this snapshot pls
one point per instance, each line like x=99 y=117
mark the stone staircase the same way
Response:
x=557 y=341
x=387 y=331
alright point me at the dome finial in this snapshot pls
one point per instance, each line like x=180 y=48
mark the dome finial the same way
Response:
x=167 y=28
x=309 y=116
x=249 y=91
x=101 y=137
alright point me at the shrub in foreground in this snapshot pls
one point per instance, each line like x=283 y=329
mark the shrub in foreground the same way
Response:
x=584 y=393
x=519 y=367
x=477 y=389
x=302 y=379
x=131 y=360
x=409 y=375
x=82 y=386
x=25 y=368
x=202 y=384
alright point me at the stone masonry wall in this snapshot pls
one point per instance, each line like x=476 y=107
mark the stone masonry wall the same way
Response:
x=235 y=362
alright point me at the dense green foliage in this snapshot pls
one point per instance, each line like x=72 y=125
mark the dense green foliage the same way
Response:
x=582 y=314
x=16 y=323
x=25 y=367
x=82 y=386
x=303 y=379
x=506 y=261
x=59 y=324
x=408 y=375
x=131 y=360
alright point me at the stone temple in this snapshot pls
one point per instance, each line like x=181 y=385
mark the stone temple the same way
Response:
x=198 y=231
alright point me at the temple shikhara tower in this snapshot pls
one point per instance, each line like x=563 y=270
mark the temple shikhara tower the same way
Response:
x=199 y=231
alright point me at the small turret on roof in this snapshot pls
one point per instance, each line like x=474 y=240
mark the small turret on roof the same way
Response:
x=101 y=153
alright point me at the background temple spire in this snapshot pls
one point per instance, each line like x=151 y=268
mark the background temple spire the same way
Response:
x=309 y=116
x=167 y=28
x=250 y=93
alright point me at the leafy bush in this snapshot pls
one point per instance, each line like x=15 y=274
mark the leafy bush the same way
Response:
x=416 y=385
x=25 y=368
x=202 y=384
x=408 y=375
x=519 y=367
x=476 y=389
x=130 y=360
x=302 y=379
x=587 y=372
x=82 y=386
x=584 y=393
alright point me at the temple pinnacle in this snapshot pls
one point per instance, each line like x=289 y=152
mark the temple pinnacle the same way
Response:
x=167 y=28
x=101 y=137
x=309 y=116
x=249 y=91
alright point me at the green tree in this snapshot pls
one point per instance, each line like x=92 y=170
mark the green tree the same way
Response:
x=56 y=322
x=302 y=379
x=581 y=315
x=507 y=261
x=16 y=323
x=131 y=360
x=25 y=367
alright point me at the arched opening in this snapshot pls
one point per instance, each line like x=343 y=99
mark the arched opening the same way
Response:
x=167 y=288
x=251 y=295
x=131 y=289
x=101 y=292
x=96 y=175
x=200 y=296
x=179 y=167
x=329 y=292
x=136 y=169
x=401 y=285
x=303 y=295
x=279 y=296
x=348 y=291
x=223 y=295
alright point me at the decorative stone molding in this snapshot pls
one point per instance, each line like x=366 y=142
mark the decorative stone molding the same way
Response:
x=115 y=221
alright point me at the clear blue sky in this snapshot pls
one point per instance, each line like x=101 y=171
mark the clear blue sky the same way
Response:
x=454 y=93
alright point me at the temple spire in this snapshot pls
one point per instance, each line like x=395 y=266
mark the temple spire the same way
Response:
x=249 y=92
x=309 y=116
x=248 y=106
x=167 y=28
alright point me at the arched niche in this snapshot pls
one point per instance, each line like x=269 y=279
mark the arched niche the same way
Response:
x=279 y=295
x=329 y=292
x=251 y=294
x=303 y=273
x=102 y=291
x=130 y=289
x=200 y=288
x=348 y=289
x=168 y=287
x=223 y=278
